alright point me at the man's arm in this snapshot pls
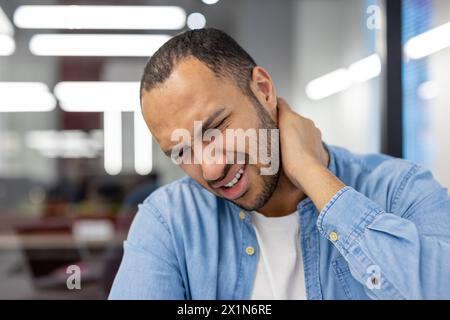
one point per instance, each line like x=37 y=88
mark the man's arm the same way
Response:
x=149 y=268
x=395 y=256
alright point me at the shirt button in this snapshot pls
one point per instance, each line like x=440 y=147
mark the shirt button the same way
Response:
x=242 y=215
x=375 y=281
x=333 y=236
x=250 y=250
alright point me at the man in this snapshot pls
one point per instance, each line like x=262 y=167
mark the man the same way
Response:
x=329 y=224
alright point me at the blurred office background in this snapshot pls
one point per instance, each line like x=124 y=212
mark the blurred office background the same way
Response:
x=76 y=157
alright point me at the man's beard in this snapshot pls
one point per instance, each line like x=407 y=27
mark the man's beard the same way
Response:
x=269 y=182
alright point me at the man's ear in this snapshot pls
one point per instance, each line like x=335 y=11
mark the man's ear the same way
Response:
x=264 y=90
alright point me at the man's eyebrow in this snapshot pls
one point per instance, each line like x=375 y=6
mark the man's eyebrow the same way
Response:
x=206 y=124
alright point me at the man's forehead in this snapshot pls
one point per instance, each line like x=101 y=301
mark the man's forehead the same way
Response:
x=188 y=92
x=172 y=107
x=190 y=82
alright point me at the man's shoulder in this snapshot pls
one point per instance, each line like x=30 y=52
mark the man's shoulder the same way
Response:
x=182 y=196
x=369 y=164
x=380 y=177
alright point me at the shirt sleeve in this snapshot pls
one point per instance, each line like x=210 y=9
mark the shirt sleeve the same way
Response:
x=402 y=254
x=149 y=268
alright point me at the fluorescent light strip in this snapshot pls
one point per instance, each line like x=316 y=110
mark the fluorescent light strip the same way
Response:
x=120 y=45
x=428 y=90
x=100 y=17
x=329 y=84
x=428 y=42
x=342 y=79
x=112 y=131
x=365 y=69
x=142 y=145
x=25 y=97
x=7 y=45
x=5 y=25
x=98 y=96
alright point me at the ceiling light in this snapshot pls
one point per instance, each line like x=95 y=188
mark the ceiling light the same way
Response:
x=329 y=84
x=342 y=79
x=7 y=45
x=112 y=133
x=121 y=45
x=196 y=21
x=428 y=90
x=5 y=25
x=365 y=69
x=98 y=96
x=25 y=97
x=210 y=1
x=428 y=42
x=142 y=146
x=100 y=17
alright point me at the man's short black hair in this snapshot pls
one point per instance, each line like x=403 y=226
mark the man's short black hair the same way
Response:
x=216 y=49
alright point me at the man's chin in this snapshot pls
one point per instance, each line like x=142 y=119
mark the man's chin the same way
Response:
x=252 y=205
x=252 y=202
x=264 y=195
x=243 y=202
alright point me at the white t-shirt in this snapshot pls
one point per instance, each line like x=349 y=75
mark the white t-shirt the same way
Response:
x=279 y=274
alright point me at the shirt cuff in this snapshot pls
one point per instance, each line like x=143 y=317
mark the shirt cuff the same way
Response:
x=345 y=217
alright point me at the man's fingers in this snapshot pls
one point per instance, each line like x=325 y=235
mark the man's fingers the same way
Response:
x=282 y=105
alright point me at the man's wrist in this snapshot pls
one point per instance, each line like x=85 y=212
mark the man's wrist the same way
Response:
x=318 y=183
x=305 y=170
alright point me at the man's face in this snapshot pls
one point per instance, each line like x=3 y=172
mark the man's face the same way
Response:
x=194 y=93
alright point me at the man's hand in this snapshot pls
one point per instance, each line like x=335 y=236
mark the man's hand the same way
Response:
x=304 y=157
x=301 y=142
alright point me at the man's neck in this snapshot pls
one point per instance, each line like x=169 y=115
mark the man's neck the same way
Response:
x=286 y=196
x=284 y=200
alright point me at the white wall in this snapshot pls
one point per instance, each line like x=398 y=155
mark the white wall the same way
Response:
x=440 y=107
x=331 y=34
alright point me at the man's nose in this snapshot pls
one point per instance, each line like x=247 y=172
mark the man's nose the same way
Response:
x=213 y=168
x=213 y=172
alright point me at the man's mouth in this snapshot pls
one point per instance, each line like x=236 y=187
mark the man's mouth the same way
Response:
x=235 y=180
x=235 y=183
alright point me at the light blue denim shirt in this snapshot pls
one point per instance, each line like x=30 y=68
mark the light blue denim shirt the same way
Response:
x=386 y=235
